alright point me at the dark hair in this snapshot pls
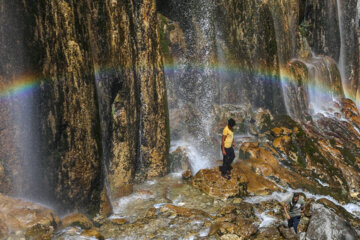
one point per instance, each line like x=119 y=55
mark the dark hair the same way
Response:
x=231 y=122
x=296 y=194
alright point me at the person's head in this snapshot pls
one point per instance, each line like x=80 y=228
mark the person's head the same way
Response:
x=231 y=123
x=296 y=197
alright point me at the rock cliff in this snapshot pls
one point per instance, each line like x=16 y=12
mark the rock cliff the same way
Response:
x=100 y=109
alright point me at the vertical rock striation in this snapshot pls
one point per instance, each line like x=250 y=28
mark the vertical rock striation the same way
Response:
x=250 y=35
x=102 y=92
x=132 y=94
x=69 y=113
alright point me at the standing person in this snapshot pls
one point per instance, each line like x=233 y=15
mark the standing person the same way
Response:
x=227 y=144
x=296 y=207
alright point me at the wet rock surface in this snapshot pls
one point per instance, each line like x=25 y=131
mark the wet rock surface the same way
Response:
x=20 y=218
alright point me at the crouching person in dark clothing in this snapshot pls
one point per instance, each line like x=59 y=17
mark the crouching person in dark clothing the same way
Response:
x=227 y=144
x=293 y=208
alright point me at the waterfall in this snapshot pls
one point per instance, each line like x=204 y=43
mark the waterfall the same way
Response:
x=194 y=83
x=341 y=62
x=19 y=94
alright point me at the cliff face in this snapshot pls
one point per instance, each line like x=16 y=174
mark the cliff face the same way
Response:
x=132 y=95
x=101 y=96
x=71 y=160
x=249 y=31
x=125 y=62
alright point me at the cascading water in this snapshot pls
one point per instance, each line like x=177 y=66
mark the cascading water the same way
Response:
x=322 y=83
x=19 y=94
x=341 y=63
x=195 y=83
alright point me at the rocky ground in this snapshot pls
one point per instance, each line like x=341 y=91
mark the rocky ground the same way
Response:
x=317 y=157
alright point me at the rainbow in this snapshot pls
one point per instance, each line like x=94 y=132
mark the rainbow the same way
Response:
x=232 y=71
x=19 y=86
x=25 y=84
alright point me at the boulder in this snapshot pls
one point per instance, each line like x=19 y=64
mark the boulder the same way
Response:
x=77 y=220
x=35 y=221
x=269 y=233
x=92 y=233
x=211 y=182
x=287 y=233
x=325 y=224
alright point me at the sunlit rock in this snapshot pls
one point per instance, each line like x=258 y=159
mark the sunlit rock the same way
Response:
x=350 y=111
x=211 y=182
x=76 y=220
x=119 y=221
x=92 y=233
x=231 y=237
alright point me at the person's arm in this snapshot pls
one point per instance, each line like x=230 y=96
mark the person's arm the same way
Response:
x=286 y=212
x=223 y=144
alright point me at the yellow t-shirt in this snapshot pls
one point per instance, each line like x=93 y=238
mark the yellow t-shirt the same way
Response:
x=229 y=137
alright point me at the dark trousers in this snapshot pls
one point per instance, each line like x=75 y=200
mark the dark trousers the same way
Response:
x=227 y=160
x=294 y=222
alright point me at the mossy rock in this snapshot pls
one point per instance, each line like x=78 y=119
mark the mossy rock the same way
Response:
x=39 y=232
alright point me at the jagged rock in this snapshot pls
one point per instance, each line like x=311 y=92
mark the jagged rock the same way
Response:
x=324 y=224
x=35 y=221
x=77 y=220
x=211 y=182
x=350 y=111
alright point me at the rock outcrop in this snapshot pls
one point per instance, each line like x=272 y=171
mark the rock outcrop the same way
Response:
x=20 y=218
x=211 y=182
x=324 y=224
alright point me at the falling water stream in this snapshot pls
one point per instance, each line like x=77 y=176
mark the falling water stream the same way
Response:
x=341 y=57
